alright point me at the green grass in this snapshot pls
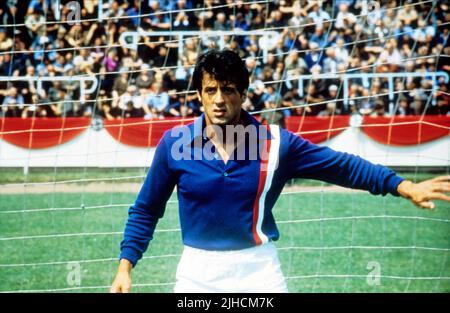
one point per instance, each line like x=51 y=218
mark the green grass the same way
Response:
x=388 y=232
x=39 y=175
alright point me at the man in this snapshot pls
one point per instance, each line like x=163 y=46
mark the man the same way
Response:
x=225 y=203
x=273 y=115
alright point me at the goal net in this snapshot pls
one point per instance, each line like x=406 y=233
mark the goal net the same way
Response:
x=87 y=88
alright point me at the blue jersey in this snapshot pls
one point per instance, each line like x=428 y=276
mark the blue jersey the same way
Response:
x=228 y=206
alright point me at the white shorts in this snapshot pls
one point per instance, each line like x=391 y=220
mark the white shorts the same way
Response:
x=256 y=269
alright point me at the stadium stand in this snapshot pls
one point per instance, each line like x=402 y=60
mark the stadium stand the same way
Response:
x=153 y=80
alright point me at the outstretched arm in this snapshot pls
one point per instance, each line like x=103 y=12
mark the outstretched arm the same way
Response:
x=422 y=193
x=307 y=160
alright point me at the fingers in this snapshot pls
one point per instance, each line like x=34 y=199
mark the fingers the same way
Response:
x=441 y=187
x=439 y=196
x=120 y=289
x=442 y=178
x=426 y=205
x=121 y=285
x=429 y=204
x=432 y=189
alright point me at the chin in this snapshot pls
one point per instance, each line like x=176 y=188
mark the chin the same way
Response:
x=216 y=120
x=220 y=121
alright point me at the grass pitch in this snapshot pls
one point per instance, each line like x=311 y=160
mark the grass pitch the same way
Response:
x=329 y=243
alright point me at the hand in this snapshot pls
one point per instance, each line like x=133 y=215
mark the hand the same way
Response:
x=421 y=193
x=122 y=282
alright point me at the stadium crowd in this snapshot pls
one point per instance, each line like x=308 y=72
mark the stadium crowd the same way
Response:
x=37 y=39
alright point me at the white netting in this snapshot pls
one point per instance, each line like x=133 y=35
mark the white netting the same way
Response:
x=61 y=231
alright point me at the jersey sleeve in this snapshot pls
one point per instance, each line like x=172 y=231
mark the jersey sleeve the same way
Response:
x=307 y=160
x=149 y=206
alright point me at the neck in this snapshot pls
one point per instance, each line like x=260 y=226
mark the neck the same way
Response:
x=211 y=128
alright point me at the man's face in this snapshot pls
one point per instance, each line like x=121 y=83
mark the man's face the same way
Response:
x=222 y=102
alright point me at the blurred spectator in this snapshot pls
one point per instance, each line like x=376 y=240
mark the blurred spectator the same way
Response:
x=318 y=15
x=403 y=106
x=334 y=96
x=35 y=22
x=408 y=16
x=240 y=23
x=39 y=108
x=319 y=37
x=182 y=107
x=252 y=67
x=111 y=61
x=158 y=100
x=315 y=97
x=344 y=18
x=153 y=78
x=255 y=96
x=294 y=66
x=133 y=103
x=276 y=19
x=12 y=105
x=190 y=52
x=145 y=77
x=390 y=58
x=366 y=104
x=314 y=56
x=297 y=20
x=330 y=109
x=330 y=62
x=295 y=102
x=442 y=101
x=184 y=20
x=83 y=62
x=5 y=42
x=341 y=52
x=379 y=110
x=273 y=116
x=221 y=22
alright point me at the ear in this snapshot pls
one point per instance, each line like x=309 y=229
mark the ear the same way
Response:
x=199 y=97
x=244 y=95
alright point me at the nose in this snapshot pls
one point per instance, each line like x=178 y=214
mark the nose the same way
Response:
x=218 y=99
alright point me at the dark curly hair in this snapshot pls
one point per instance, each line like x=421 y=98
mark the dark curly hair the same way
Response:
x=225 y=66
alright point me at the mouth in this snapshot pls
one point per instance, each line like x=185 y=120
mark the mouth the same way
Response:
x=219 y=112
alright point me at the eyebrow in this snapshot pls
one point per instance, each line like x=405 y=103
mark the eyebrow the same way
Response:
x=226 y=87
x=232 y=86
x=229 y=88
